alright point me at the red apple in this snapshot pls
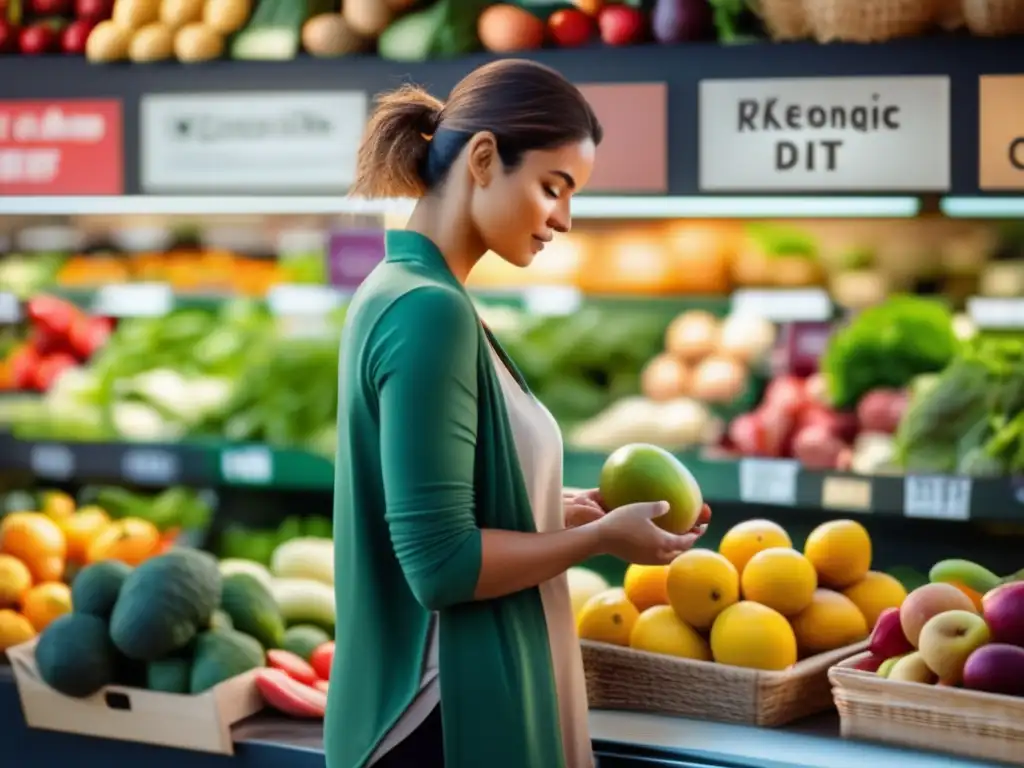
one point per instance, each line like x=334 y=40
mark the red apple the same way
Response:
x=38 y=39
x=94 y=10
x=74 y=37
x=621 y=25
x=887 y=638
x=570 y=28
x=50 y=7
x=869 y=663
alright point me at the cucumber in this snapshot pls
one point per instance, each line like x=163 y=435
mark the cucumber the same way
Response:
x=274 y=31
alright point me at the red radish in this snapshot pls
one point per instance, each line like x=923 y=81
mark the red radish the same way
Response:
x=570 y=28
x=816 y=447
x=38 y=39
x=321 y=685
x=292 y=664
x=746 y=435
x=621 y=25
x=881 y=410
x=73 y=39
x=844 y=425
x=322 y=658
x=88 y=334
x=289 y=696
x=788 y=392
x=94 y=10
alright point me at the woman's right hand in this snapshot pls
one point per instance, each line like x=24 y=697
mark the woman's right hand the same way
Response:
x=629 y=533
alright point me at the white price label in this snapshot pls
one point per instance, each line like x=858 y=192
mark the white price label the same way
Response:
x=769 y=481
x=937 y=497
x=996 y=312
x=811 y=305
x=247 y=466
x=150 y=466
x=134 y=300
x=298 y=300
x=53 y=462
x=10 y=308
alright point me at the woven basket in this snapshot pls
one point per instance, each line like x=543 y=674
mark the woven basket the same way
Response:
x=992 y=18
x=784 y=19
x=625 y=679
x=937 y=718
x=869 y=21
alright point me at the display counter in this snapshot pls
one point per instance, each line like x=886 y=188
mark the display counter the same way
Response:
x=622 y=740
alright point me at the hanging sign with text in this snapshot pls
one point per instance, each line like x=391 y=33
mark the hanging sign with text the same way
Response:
x=61 y=148
x=856 y=134
x=1001 y=133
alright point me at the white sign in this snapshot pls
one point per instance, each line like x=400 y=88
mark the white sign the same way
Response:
x=937 y=498
x=780 y=306
x=134 y=300
x=247 y=466
x=996 y=312
x=769 y=481
x=53 y=462
x=252 y=142
x=847 y=134
x=150 y=466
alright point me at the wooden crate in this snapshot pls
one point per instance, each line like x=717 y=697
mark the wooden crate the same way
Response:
x=201 y=723
x=626 y=679
x=972 y=724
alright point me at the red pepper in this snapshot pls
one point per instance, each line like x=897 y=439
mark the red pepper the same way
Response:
x=88 y=335
x=50 y=368
x=22 y=364
x=53 y=315
x=46 y=343
x=322 y=658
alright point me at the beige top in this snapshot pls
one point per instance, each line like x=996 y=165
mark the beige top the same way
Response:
x=539 y=448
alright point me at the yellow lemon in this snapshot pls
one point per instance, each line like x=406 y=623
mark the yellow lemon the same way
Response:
x=701 y=584
x=752 y=635
x=876 y=592
x=646 y=585
x=659 y=630
x=746 y=539
x=607 y=617
x=829 y=622
x=780 y=578
x=840 y=551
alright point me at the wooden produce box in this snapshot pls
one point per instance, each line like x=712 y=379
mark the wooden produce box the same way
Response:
x=984 y=726
x=626 y=679
x=200 y=723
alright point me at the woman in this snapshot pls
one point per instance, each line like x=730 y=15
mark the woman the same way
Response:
x=452 y=532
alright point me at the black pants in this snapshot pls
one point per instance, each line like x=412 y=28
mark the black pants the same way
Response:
x=423 y=748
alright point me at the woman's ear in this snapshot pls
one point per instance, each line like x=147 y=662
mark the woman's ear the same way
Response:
x=483 y=158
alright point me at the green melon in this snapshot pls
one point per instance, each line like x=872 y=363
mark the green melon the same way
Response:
x=640 y=472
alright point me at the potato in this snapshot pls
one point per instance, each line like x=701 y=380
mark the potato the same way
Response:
x=196 y=42
x=135 y=14
x=107 y=43
x=367 y=17
x=226 y=16
x=327 y=36
x=154 y=42
x=177 y=13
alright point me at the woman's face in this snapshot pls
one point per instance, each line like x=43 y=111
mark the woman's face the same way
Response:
x=518 y=211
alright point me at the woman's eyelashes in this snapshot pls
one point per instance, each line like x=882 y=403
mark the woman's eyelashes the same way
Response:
x=551 y=191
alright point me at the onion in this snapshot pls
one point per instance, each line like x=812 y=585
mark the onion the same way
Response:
x=718 y=380
x=748 y=338
x=693 y=335
x=664 y=378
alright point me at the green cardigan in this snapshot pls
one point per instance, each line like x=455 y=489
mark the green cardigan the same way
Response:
x=426 y=458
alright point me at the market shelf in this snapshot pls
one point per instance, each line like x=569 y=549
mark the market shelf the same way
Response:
x=769 y=482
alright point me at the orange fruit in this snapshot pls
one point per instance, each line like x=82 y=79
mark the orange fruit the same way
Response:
x=37 y=541
x=659 y=630
x=57 y=505
x=15 y=581
x=81 y=529
x=46 y=602
x=878 y=591
x=131 y=540
x=701 y=584
x=780 y=578
x=608 y=617
x=973 y=594
x=15 y=629
x=752 y=635
x=646 y=585
x=840 y=551
x=829 y=622
x=746 y=539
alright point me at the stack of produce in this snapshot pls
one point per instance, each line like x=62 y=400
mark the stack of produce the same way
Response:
x=58 y=337
x=964 y=629
x=706 y=364
x=757 y=602
x=241 y=542
x=37 y=27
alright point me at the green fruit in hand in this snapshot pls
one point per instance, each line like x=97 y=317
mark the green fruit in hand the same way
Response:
x=641 y=472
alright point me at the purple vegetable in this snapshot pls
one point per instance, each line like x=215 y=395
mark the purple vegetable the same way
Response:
x=680 y=21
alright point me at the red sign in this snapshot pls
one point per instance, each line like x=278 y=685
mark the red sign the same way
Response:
x=61 y=148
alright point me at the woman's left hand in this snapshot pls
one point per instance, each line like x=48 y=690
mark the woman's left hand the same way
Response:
x=582 y=507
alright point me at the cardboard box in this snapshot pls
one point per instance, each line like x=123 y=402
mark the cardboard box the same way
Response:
x=200 y=723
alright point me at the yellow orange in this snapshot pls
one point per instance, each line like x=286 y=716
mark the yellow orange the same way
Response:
x=15 y=629
x=840 y=551
x=608 y=617
x=46 y=602
x=15 y=580
x=37 y=541
x=876 y=592
x=646 y=585
x=780 y=578
x=659 y=630
x=752 y=635
x=701 y=584
x=81 y=529
x=746 y=539
x=829 y=622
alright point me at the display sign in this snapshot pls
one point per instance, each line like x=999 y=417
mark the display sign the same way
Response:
x=252 y=142
x=352 y=254
x=1001 y=132
x=853 y=134
x=61 y=148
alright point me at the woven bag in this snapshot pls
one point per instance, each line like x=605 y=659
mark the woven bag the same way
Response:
x=991 y=18
x=784 y=19
x=869 y=21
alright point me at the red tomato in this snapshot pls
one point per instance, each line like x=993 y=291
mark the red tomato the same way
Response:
x=570 y=28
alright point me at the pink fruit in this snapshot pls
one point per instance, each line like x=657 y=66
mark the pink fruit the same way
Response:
x=887 y=638
x=1003 y=609
x=927 y=601
x=996 y=668
x=292 y=665
x=289 y=696
x=870 y=663
x=322 y=658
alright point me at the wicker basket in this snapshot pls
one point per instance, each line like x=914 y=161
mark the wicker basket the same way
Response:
x=869 y=21
x=991 y=18
x=784 y=19
x=625 y=679
x=967 y=723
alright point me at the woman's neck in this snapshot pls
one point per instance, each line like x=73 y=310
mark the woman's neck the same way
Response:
x=446 y=222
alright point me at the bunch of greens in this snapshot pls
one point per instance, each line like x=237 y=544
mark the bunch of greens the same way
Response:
x=969 y=419
x=886 y=346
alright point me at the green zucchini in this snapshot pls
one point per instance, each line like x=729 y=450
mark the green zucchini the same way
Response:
x=274 y=31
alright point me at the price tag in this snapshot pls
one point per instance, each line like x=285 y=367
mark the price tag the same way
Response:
x=846 y=493
x=134 y=300
x=10 y=308
x=53 y=462
x=810 y=305
x=937 y=497
x=150 y=466
x=247 y=466
x=996 y=312
x=303 y=300
x=553 y=301
x=769 y=481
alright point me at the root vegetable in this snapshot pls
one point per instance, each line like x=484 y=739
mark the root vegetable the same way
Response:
x=816 y=447
x=367 y=17
x=881 y=410
x=843 y=425
x=718 y=380
x=226 y=16
x=787 y=392
x=135 y=14
x=664 y=378
x=154 y=42
x=108 y=43
x=177 y=13
x=328 y=36
x=693 y=335
x=196 y=43
x=747 y=338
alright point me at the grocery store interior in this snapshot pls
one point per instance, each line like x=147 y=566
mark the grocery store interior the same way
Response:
x=806 y=290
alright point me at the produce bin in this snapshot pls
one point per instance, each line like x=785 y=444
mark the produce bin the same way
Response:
x=200 y=723
x=972 y=724
x=626 y=679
